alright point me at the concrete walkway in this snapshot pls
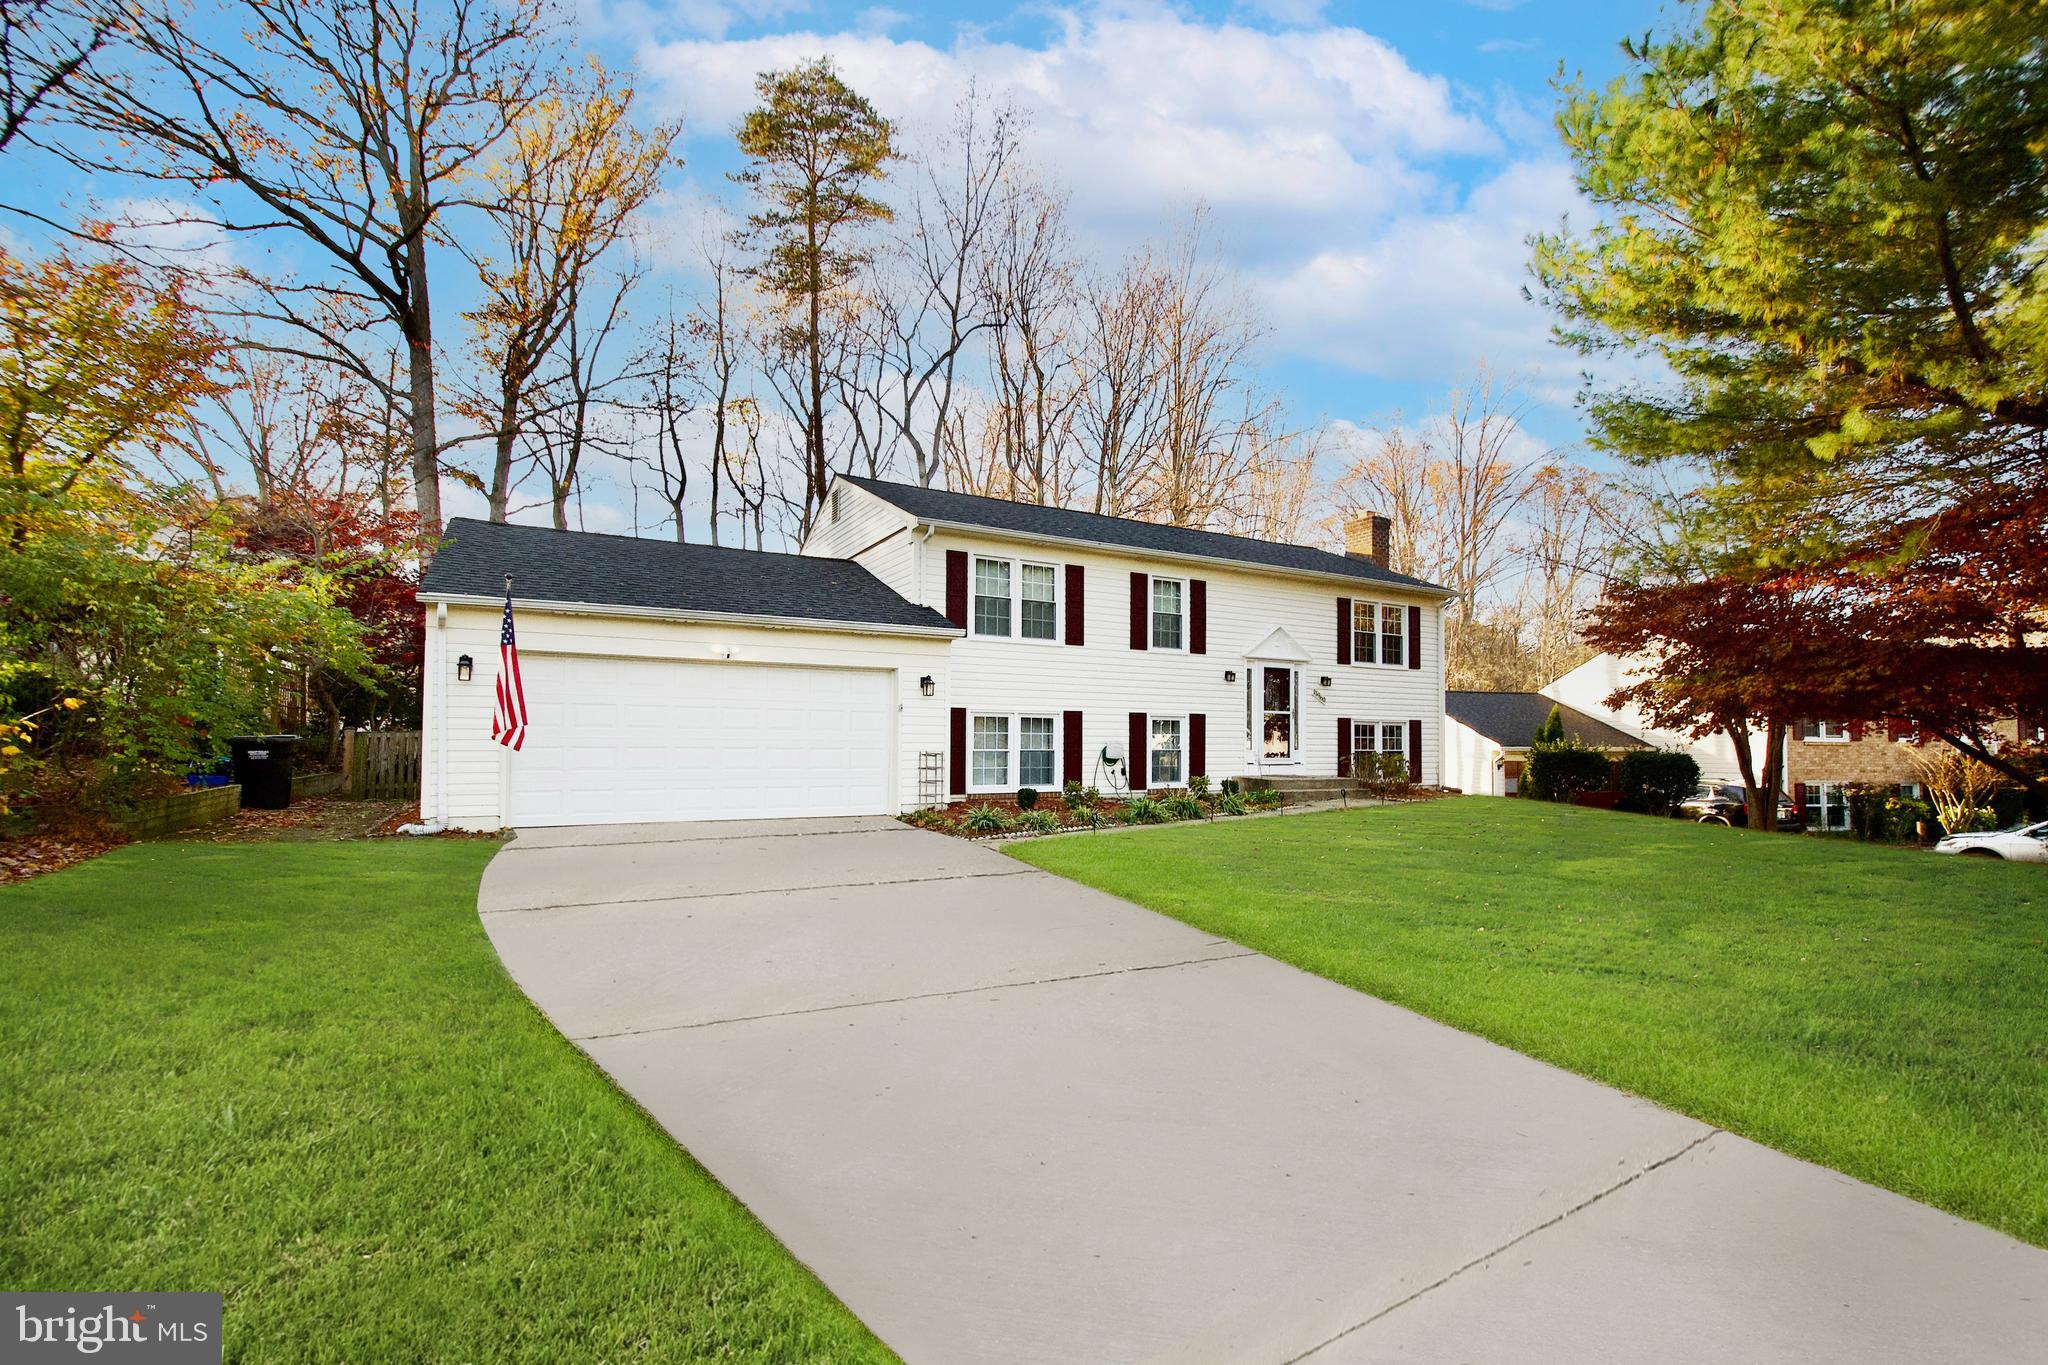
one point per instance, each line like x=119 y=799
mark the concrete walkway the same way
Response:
x=1007 y=1118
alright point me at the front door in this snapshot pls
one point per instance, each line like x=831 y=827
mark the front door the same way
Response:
x=1276 y=736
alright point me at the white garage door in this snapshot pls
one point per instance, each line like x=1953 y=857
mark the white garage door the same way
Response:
x=614 y=740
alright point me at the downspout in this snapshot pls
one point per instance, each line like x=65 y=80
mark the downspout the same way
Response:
x=437 y=684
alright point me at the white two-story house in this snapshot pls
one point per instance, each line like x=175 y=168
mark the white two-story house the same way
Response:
x=922 y=646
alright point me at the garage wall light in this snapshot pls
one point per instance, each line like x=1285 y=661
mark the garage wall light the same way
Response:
x=1230 y=675
x=927 y=686
x=465 y=667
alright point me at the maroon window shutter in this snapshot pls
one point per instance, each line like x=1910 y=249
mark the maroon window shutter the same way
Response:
x=1198 y=616
x=1343 y=630
x=1076 y=604
x=1198 y=746
x=1799 y=795
x=956 y=587
x=1855 y=730
x=959 y=764
x=1070 y=746
x=1343 y=746
x=1415 y=642
x=1896 y=729
x=1414 y=750
x=1134 y=760
x=1141 y=613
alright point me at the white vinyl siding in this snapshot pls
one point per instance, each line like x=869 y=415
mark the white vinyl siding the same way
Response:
x=1108 y=681
x=473 y=783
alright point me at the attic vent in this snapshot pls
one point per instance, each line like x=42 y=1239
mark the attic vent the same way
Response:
x=837 y=493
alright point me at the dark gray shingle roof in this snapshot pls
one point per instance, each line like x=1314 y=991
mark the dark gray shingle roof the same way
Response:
x=1061 y=523
x=624 y=571
x=1511 y=719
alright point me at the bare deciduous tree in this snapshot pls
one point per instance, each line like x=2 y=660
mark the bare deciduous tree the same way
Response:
x=354 y=124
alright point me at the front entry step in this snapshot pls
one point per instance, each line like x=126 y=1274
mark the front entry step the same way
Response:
x=1299 y=790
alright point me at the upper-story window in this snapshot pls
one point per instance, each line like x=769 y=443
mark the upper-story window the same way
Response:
x=1169 y=613
x=1379 y=633
x=1016 y=598
x=1825 y=731
x=992 y=597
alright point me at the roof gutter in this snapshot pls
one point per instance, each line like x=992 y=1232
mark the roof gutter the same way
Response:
x=1243 y=565
x=724 y=618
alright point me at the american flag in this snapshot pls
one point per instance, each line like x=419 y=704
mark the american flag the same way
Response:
x=508 y=718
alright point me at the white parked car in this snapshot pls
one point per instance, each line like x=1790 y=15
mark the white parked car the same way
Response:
x=2021 y=843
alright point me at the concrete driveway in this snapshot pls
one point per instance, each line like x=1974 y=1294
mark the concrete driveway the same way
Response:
x=1007 y=1118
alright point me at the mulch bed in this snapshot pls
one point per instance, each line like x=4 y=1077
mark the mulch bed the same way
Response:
x=43 y=851
x=309 y=817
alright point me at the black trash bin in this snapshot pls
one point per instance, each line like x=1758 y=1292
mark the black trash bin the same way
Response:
x=263 y=765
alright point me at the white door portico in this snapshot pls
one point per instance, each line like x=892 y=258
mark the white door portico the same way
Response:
x=1272 y=703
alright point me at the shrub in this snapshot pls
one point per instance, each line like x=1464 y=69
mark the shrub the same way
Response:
x=1262 y=798
x=987 y=819
x=1230 y=786
x=1070 y=792
x=1654 y=781
x=928 y=817
x=1142 y=810
x=1027 y=798
x=1903 y=817
x=1040 y=821
x=1560 y=769
x=1383 y=775
x=1183 y=807
x=1231 y=804
x=1198 y=786
x=1091 y=796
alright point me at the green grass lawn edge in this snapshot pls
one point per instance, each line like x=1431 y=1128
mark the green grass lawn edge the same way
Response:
x=298 y=1074
x=1880 y=1011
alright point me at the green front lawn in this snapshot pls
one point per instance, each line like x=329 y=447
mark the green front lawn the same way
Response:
x=296 y=1073
x=1881 y=1011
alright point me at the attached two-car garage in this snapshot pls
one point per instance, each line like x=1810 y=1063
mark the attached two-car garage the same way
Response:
x=613 y=740
x=672 y=682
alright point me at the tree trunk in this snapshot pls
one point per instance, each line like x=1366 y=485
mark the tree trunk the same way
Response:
x=426 y=444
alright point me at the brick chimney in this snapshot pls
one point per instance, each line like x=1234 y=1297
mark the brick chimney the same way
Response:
x=1370 y=536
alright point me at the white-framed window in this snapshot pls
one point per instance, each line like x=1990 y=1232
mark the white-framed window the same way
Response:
x=1824 y=731
x=1012 y=751
x=1038 y=604
x=1169 y=613
x=1827 y=805
x=1037 y=756
x=990 y=768
x=1166 y=764
x=1379 y=737
x=1016 y=599
x=1379 y=633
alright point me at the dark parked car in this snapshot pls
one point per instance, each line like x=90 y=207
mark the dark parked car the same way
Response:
x=1723 y=804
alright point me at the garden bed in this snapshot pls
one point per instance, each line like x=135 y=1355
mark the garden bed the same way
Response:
x=992 y=817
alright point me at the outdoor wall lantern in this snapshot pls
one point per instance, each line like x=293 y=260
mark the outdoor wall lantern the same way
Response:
x=464 y=667
x=926 y=685
x=1326 y=682
x=1230 y=675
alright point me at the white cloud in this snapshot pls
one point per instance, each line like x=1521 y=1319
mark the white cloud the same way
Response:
x=1429 y=293
x=1148 y=113
x=1340 y=177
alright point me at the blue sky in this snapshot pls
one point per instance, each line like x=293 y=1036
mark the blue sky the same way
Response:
x=1372 y=170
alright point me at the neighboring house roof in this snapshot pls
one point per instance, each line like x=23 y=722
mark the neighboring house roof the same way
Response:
x=660 y=577
x=1092 y=528
x=1511 y=720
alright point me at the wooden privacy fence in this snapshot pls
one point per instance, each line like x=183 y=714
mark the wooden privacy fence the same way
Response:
x=382 y=765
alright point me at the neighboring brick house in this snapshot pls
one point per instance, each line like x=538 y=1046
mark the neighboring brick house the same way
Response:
x=1825 y=758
